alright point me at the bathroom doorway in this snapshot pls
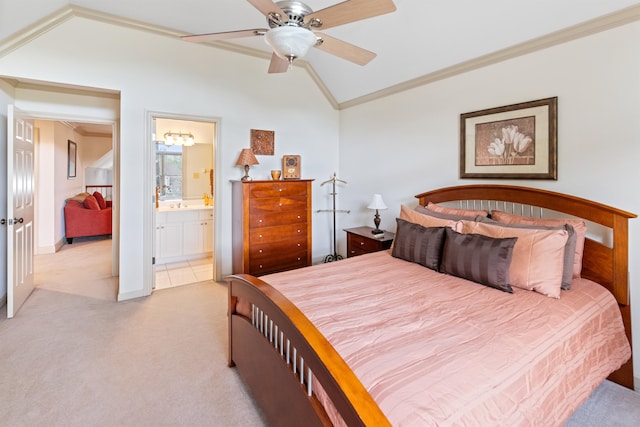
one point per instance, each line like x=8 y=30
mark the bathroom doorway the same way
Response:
x=184 y=154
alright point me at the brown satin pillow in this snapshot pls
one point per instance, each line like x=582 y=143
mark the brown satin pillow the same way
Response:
x=482 y=259
x=415 y=243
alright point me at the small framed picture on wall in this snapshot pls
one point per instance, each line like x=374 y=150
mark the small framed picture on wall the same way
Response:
x=72 y=157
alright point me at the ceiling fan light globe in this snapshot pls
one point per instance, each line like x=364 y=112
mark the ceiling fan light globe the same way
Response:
x=290 y=42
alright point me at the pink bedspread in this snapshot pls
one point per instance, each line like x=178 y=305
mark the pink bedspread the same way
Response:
x=433 y=349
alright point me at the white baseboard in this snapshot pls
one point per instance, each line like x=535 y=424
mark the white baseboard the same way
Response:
x=130 y=295
x=50 y=249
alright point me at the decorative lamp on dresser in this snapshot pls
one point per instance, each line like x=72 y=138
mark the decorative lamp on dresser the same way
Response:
x=271 y=226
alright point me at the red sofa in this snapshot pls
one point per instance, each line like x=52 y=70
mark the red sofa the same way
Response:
x=80 y=221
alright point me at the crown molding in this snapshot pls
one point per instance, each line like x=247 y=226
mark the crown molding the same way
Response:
x=594 y=26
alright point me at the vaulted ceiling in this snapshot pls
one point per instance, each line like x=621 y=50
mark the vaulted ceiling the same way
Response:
x=422 y=41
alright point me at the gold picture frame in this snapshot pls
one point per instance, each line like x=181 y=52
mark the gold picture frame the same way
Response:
x=518 y=141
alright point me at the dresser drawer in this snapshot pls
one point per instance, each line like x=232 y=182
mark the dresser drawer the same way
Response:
x=264 y=235
x=277 y=189
x=278 y=262
x=267 y=251
x=275 y=211
x=359 y=243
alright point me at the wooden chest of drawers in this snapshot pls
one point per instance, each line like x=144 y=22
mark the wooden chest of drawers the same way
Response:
x=271 y=228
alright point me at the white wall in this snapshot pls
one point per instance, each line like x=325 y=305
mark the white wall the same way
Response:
x=408 y=143
x=208 y=83
x=45 y=209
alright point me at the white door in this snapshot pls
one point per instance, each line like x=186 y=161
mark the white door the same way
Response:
x=20 y=187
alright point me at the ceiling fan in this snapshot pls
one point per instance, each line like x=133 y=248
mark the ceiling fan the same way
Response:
x=291 y=29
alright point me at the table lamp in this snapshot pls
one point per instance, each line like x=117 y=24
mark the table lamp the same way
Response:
x=377 y=203
x=246 y=159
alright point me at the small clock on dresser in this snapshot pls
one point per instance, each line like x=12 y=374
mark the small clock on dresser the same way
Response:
x=291 y=167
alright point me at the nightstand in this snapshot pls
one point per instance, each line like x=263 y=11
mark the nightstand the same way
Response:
x=361 y=241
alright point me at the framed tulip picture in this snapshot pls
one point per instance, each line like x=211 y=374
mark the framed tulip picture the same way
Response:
x=518 y=141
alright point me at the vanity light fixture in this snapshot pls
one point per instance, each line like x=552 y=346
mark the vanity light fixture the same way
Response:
x=179 y=138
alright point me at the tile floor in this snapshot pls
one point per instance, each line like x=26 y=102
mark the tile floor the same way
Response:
x=183 y=273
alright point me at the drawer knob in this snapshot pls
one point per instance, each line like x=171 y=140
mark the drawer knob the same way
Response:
x=259 y=220
x=361 y=243
x=299 y=231
x=260 y=251
x=280 y=189
x=298 y=216
x=299 y=244
x=260 y=236
x=280 y=204
x=260 y=265
x=299 y=258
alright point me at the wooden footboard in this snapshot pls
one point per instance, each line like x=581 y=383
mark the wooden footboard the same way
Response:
x=279 y=354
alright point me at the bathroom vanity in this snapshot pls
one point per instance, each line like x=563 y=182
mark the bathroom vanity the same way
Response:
x=183 y=232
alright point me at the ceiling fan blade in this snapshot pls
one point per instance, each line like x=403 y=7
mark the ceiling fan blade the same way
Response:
x=267 y=6
x=202 y=38
x=344 y=50
x=278 y=65
x=350 y=11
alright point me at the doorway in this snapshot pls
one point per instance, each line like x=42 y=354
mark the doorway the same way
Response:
x=93 y=171
x=184 y=194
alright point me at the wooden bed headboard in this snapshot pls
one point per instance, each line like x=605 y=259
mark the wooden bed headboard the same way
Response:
x=608 y=266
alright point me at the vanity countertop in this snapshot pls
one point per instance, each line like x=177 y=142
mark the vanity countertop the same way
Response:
x=184 y=207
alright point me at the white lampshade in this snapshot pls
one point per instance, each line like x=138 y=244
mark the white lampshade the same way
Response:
x=289 y=42
x=377 y=203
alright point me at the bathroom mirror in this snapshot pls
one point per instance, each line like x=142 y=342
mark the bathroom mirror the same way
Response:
x=184 y=172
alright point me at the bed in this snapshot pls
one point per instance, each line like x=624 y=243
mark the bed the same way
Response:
x=316 y=344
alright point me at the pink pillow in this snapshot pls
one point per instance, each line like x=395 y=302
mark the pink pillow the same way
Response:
x=100 y=199
x=538 y=255
x=91 y=203
x=578 y=225
x=424 y=219
x=471 y=213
